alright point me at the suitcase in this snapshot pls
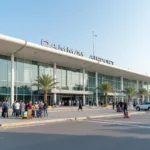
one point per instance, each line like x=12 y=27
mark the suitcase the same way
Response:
x=24 y=114
x=38 y=113
x=127 y=114
x=119 y=109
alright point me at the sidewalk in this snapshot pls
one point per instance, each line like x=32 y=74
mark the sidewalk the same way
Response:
x=64 y=116
x=66 y=108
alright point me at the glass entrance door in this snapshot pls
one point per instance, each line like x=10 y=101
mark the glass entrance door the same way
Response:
x=89 y=100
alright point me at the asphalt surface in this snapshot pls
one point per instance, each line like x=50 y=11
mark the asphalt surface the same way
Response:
x=94 y=134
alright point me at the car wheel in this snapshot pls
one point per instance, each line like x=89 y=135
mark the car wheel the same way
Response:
x=138 y=108
x=148 y=108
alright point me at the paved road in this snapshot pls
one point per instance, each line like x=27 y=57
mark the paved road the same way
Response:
x=95 y=134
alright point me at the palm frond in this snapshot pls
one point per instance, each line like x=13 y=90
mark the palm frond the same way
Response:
x=45 y=82
x=142 y=92
x=129 y=91
x=105 y=87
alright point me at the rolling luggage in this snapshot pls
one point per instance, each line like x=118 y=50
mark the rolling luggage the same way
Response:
x=24 y=115
x=118 y=109
x=127 y=114
x=38 y=113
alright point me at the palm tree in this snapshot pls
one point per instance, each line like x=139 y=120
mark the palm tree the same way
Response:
x=45 y=82
x=129 y=91
x=106 y=88
x=142 y=92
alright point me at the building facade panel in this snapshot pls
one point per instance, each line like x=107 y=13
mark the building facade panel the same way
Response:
x=26 y=71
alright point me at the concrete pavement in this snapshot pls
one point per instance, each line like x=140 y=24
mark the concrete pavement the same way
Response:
x=105 y=134
x=63 y=116
x=71 y=108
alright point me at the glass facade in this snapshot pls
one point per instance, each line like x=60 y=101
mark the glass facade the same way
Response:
x=129 y=83
x=90 y=81
x=114 y=81
x=26 y=71
x=25 y=74
x=5 y=77
x=140 y=84
x=69 y=79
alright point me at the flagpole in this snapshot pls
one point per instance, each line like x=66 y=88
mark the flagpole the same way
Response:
x=93 y=43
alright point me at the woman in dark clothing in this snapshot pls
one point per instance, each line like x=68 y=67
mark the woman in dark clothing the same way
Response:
x=125 y=109
x=80 y=106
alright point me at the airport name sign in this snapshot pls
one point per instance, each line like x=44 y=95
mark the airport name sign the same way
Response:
x=64 y=49
x=101 y=60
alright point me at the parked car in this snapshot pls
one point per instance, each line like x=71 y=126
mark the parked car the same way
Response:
x=144 y=106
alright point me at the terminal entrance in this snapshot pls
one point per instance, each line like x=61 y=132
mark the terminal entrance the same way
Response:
x=70 y=100
x=66 y=101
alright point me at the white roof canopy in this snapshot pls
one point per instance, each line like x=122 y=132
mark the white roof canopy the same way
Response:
x=31 y=51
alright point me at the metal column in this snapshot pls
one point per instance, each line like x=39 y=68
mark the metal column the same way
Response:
x=122 y=98
x=12 y=79
x=96 y=83
x=54 y=76
x=83 y=83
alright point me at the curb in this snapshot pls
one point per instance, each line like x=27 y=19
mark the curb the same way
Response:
x=63 y=120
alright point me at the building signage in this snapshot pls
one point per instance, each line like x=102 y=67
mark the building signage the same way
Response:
x=64 y=49
x=101 y=60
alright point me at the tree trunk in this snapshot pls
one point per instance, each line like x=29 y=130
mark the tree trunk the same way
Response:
x=106 y=98
x=142 y=98
x=45 y=96
x=129 y=98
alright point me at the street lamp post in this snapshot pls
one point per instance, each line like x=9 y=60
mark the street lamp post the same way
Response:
x=94 y=35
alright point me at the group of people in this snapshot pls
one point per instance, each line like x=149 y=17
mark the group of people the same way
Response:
x=20 y=108
x=121 y=107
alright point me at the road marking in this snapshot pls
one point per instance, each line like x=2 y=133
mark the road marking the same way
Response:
x=115 y=123
x=24 y=126
x=119 y=121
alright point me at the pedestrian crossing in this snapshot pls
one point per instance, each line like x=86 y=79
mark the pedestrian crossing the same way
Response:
x=117 y=122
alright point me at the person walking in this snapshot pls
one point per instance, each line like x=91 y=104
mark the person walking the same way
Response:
x=36 y=109
x=80 y=106
x=5 y=108
x=17 y=107
x=125 y=109
x=45 y=109
x=13 y=109
x=2 y=109
x=22 y=108
x=41 y=108
x=113 y=105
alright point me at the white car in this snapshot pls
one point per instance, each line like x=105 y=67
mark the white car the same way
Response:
x=144 y=106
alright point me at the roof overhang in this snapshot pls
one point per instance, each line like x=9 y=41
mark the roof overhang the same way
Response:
x=31 y=51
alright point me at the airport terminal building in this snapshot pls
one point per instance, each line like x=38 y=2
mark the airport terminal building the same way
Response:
x=21 y=62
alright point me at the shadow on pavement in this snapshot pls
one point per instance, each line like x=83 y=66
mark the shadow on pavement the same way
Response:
x=41 y=141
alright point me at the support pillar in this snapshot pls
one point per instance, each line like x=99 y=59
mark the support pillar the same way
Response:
x=12 y=79
x=137 y=85
x=84 y=100
x=122 y=97
x=55 y=99
x=54 y=76
x=143 y=97
x=137 y=88
x=142 y=84
x=83 y=83
x=147 y=91
x=96 y=83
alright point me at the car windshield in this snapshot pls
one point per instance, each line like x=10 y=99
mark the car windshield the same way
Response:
x=146 y=103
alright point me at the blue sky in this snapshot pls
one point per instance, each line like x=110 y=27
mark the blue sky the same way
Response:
x=122 y=26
